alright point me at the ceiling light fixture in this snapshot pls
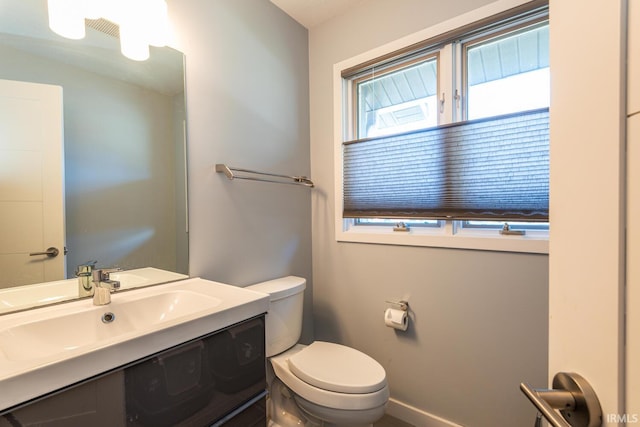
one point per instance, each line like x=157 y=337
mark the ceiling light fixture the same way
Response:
x=141 y=22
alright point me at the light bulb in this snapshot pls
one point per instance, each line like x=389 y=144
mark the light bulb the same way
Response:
x=141 y=22
x=92 y=9
x=157 y=22
x=66 y=18
x=132 y=43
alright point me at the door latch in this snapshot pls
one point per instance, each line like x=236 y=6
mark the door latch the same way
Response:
x=571 y=403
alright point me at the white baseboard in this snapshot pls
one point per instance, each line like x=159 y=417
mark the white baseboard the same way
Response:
x=415 y=416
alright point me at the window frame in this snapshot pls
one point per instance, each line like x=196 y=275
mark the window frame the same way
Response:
x=470 y=42
x=355 y=82
x=451 y=234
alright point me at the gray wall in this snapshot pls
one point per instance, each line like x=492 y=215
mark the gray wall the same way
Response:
x=480 y=325
x=248 y=106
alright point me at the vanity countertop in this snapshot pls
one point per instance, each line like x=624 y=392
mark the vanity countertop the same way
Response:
x=45 y=349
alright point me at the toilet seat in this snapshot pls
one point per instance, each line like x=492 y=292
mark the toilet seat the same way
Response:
x=323 y=396
x=338 y=368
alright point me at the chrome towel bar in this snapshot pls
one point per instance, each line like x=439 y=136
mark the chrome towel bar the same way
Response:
x=284 y=179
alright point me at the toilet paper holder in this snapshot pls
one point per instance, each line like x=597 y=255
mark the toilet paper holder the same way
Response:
x=402 y=305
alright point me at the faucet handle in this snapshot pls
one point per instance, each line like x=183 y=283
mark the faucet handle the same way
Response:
x=102 y=274
x=104 y=285
x=85 y=269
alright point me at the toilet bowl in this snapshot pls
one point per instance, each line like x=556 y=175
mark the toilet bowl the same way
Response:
x=320 y=384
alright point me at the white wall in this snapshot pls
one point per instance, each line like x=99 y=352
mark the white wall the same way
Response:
x=248 y=106
x=480 y=318
x=586 y=271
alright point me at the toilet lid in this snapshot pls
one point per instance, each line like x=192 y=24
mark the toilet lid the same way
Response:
x=337 y=368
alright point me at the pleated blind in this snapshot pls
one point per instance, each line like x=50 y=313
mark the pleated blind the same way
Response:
x=490 y=169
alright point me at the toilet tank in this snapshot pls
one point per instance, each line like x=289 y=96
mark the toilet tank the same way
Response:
x=284 y=319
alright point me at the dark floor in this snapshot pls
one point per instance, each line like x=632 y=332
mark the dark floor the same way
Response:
x=389 y=421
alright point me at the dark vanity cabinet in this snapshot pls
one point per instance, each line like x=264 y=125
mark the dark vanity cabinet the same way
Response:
x=218 y=379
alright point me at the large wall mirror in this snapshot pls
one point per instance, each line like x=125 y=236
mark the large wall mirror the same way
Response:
x=124 y=158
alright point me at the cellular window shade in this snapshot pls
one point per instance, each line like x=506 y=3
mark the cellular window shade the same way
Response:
x=491 y=169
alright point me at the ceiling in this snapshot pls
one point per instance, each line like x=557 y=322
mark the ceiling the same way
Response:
x=311 y=13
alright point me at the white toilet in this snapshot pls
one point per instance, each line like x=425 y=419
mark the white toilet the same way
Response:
x=322 y=384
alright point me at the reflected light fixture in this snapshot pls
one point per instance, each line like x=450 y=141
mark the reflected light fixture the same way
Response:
x=141 y=22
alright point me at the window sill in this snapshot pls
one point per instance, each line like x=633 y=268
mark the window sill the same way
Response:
x=536 y=242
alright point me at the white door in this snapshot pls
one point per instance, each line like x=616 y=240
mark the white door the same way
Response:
x=633 y=212
x=31 y=183
x=588 y=264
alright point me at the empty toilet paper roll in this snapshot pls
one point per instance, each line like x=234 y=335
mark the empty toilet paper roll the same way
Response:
x=396 y=319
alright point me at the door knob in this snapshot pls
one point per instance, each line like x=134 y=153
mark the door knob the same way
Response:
x=571 y=403
x=50 y=252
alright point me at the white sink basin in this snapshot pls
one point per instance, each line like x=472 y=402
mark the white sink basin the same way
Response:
x=21 y=297
x=83 y=328
x=44 y=349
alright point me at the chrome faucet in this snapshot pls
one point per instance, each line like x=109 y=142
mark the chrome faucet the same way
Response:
x=103 y=285
x=84 y=273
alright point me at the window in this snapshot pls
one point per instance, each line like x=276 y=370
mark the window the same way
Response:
x=449 y=138
x=397 y=100
x=507 y=73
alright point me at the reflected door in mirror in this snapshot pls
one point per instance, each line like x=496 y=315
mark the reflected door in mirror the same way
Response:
x=31 y=183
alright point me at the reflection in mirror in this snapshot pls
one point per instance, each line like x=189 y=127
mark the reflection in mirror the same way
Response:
x=123 y=174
